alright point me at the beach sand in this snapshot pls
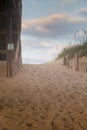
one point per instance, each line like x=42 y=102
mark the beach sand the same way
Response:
x=44 y=97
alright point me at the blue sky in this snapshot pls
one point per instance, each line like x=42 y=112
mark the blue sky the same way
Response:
x=50 y=25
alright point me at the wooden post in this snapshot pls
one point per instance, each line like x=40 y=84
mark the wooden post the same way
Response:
x=9 y=52
x=71 y=63
x=64 y=60
x=77 y=62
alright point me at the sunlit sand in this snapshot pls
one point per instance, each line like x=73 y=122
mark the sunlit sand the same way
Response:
x=44 y=97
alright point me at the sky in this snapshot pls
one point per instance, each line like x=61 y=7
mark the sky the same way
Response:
x=50 y=25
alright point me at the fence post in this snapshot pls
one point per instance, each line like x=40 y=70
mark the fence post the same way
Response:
x=77 y=62
x=71 y=63
x=64 y=60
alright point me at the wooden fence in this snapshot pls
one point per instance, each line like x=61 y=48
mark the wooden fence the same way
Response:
x=9 y=69
x=76 y=63
x=83 y=66
x=2 y=68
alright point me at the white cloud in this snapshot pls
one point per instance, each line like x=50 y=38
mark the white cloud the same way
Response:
x=53 y=25
x=69 y=1
x=82 y=11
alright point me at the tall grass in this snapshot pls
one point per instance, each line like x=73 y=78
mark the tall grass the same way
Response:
x=71 y=51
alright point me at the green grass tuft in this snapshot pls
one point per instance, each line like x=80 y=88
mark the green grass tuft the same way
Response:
x=71 y=51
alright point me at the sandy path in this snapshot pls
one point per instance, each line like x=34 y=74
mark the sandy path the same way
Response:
x=44 y=97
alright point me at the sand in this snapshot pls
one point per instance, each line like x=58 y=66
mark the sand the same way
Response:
x=44 y=97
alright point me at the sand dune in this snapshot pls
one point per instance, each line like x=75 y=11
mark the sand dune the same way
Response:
x=44 y=97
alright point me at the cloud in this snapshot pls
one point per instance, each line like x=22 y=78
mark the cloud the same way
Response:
x=34 y=51
x=69 y=1
x=52 y=26
x=82 y=11
x=29 y=43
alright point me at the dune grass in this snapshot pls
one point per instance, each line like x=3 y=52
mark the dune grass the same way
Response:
x=71 y=51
